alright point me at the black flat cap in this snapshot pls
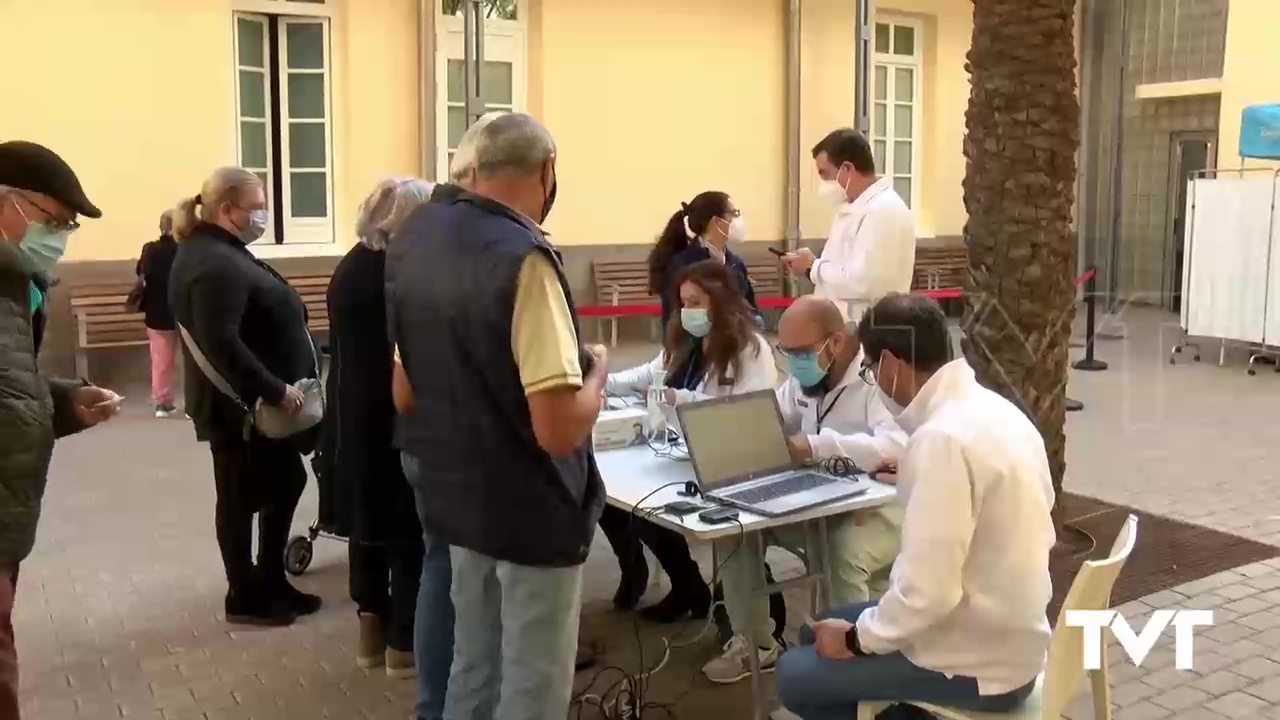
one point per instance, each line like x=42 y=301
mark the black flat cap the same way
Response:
x=35 y=168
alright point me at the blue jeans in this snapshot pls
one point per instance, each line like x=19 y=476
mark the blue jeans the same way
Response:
x=818 y=689
x=434 y=617
x=517 y=639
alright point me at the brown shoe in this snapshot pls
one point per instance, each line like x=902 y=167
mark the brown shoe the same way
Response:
x=372 y=644
x=400 y=664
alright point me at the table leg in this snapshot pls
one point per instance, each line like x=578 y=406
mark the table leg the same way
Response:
x=758 y=585
x=824 y=550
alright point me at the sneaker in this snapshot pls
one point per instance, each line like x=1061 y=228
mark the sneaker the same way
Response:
x=400 y=664
x=371 y=650
x=165 y=411
x=735 y=663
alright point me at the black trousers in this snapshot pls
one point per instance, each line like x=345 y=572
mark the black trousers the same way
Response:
x=626 y=533
x=255 y=476
x=384 y=582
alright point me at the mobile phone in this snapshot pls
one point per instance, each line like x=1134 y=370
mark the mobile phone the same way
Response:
x=681 y=508
x=718 y=515
x=777 y=252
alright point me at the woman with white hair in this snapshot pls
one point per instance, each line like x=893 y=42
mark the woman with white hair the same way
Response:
x=154 y=265
x=376 y=503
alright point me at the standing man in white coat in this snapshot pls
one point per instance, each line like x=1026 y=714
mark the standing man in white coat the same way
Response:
x=871 y=251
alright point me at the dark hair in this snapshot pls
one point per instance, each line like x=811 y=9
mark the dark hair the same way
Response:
x=847 y=145
x=911 y=327
x=674 y=238
x=733 y=326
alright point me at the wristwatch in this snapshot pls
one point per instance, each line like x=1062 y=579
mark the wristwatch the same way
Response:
x=851 y=640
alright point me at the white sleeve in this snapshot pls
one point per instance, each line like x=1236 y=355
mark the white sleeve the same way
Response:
x=881 y=246
x=881 y=445
x=636 y=380
x=792 y=416
x=926 y=583
x=756 y=371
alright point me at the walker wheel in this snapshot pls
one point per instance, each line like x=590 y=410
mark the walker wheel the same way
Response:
x=297 y=554
x=1196 y=357
x=1177 y=350
x=1173 y=360
x=1251 y=371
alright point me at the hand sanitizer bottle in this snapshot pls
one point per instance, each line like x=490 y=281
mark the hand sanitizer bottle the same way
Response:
x=657 y=418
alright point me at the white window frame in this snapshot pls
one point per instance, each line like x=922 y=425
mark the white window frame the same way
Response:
x=303 y=236
x=886 y=134
x=504 y=41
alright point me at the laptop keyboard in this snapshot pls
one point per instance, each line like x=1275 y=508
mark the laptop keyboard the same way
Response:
x=782 y=488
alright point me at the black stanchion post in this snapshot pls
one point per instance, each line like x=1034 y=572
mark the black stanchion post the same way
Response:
x=1089 y=362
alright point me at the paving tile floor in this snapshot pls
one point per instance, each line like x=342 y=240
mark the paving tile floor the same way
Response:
x=118 y=607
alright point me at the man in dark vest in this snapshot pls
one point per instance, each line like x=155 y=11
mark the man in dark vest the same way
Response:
x=504 y=399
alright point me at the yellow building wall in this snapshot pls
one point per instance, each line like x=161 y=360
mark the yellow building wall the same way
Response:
x=651 y=103
x=1248 y=72
x=144 y=108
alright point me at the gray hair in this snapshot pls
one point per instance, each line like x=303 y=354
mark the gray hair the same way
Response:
x=513 y=142
x=463 y=165
x=166 y=222
x=386 y=208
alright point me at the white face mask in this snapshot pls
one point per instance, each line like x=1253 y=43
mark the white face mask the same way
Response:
x=833 y=192
x=887 y=397
x=737 y=231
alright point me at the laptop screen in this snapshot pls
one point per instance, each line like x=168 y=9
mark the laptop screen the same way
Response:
x=735 y=438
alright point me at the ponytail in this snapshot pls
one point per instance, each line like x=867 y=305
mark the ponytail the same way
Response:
x=185 y=218
x=674 y=239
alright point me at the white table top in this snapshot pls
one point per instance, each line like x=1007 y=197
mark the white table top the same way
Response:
x=632 y=473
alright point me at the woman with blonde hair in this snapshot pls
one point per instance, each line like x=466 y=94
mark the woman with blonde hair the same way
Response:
x=376 y=503
x=250 y=328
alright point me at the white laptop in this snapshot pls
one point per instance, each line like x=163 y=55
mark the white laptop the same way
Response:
x=741 y=458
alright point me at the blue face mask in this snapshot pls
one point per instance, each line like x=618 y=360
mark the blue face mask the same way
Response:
x=42 y=247
x=695 y=321
x=807 y=369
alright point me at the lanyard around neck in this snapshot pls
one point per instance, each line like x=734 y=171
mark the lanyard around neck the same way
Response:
x=824 y=412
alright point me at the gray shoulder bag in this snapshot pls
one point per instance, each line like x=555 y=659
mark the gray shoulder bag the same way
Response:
x=270 y=420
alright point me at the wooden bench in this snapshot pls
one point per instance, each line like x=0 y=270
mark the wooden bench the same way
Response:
x=103 y=321
x=940 y=267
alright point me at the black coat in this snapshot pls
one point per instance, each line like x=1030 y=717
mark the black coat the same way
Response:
x=154 y=267
x=695 y=253
x=246 y=319
x=367 y=496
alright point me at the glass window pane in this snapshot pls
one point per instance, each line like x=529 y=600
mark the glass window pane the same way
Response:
x=904 y=40
x=902 y=186
x=496 y=9
x=307 y=146
x=306 y=96
x=902 y=122
x=457 y=125
x=265 y=177
x=495 y=83
x=879 y=119
x=309 y=195
x=457 y=71
x=904 y=85
x=249 y=33
x=882 y=38
x=253 y=94
x=902 y=156
x=253 y=144
x=877 y=150
x=881 y=83
x=305 y=41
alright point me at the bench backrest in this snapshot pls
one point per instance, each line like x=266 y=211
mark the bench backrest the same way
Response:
x=766 y=276
x=940 y=267
x=312 y=289
x=102 y=318
x=622 y=282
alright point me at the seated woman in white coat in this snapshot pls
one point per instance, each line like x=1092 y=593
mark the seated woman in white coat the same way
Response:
x=712 y=349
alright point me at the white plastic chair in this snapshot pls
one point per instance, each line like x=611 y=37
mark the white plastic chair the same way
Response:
x=1091 y=590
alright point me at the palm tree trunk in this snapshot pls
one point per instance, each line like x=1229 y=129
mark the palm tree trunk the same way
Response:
x=1023 y=129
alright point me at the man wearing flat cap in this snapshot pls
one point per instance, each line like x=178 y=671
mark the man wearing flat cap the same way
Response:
x=40 y=199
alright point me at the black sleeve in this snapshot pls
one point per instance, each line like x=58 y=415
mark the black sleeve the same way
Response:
x=749 y=291
x=65 y=421
x=217 y=307
x=141 y=267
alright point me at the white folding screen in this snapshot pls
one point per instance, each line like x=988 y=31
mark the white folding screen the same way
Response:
x=1230 y=264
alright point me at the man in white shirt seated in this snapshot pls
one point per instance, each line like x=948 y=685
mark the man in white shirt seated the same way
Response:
x=829 y=412
x=871 y=250
x=963 y=623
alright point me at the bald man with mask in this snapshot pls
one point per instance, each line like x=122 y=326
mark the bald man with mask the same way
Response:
x=829 y=410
